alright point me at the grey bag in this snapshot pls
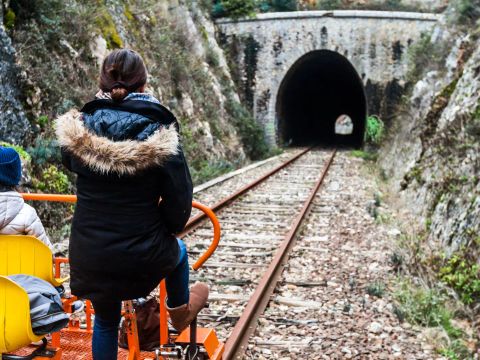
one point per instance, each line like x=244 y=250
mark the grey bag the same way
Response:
x=46 y=310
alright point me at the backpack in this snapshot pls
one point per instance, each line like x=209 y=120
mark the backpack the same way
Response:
x=46 y=310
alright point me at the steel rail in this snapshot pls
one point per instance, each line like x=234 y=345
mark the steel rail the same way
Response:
x=245 y=326
x=195 y=221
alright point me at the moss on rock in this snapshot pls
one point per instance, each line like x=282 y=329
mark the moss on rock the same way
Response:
x=9 y=19
x=107 y=28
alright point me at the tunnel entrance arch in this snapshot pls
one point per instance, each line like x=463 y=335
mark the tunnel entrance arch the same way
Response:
x=320 y=86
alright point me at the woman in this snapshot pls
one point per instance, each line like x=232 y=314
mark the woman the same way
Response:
x=134 y=193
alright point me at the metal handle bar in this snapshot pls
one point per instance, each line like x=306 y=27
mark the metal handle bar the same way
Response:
x=216 y=234
x=211 y=215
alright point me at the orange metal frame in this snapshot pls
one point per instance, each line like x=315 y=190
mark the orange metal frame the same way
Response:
x=205 y=337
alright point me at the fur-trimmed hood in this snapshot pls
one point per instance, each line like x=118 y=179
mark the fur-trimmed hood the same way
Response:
x=106 y=156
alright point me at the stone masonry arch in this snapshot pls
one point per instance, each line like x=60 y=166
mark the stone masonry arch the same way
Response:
x=376 y=43
x=320 y=87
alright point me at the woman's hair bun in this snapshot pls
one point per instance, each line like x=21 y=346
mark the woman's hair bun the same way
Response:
x=123 y=72
x=119 y=93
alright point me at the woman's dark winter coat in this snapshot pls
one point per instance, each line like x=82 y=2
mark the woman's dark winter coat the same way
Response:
x=127 y=158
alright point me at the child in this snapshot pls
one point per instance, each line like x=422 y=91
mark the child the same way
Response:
x=16 y=217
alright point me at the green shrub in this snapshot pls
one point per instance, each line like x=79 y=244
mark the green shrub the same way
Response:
x=218 y=11
x=206 y=170
x=393 y=4
x=45 y=151
x=203 y=33
x=47 y=14
x=463 y=275
x=415 y=173
x=42 y=121
x=467 y=11
x=188 y=141
x=53 y=180
x=425 y=307
x=65 y=106
x=234 y=8
x=330 y=4
x=376 y=288
x=473 y=126
x=374 y=130
x=211 y=57
x=20 y=150
x=250 y=132
x=365 y=155
x=38 y=9
x=425 y=54
x=264 y=6
x=284 y=5
x=456 y=350
x=206 y=5
x=50 y=69
x=9 y=19
x=396 y=260
x=277 y=5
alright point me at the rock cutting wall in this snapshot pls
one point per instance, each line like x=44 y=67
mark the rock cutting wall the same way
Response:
x=375 y=42
x=432 y=156
x=58 y=47
x=13 y=123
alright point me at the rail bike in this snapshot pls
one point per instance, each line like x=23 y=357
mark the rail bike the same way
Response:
x=22 y=254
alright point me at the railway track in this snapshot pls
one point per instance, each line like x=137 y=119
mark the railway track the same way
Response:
x=290 y=277
x=233 y=187
x=259 y=220
x=259 y=225
x=329 y=302
x=223 y=186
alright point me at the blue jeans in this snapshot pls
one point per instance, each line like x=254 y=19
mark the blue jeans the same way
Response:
x=108 y=314
x=177 y=281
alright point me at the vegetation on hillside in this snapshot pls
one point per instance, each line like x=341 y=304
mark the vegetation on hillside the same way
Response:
x=373 y=137
x=438 y=292
x=374 y=130
x=445 y=294
x=432 y=308
x=59 y=71
x=429 y=53
x=467 y=12
x=462 y=273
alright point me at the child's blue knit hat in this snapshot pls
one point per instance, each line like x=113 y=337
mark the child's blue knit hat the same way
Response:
x=10 y=167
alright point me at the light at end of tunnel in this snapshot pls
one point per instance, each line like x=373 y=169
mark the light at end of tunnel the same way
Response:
x=344 y=125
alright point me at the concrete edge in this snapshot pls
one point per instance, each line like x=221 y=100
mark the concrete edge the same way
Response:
x=368 y=14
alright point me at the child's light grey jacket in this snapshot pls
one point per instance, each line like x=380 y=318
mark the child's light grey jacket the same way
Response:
x=18 y=218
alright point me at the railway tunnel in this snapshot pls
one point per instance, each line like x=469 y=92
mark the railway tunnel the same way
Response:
x=317 y=90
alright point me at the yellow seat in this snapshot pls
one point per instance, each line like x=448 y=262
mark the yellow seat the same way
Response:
x=20 y=254
x=15 y=326
x=24 y=254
